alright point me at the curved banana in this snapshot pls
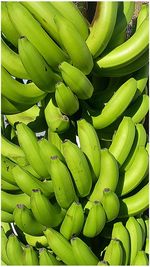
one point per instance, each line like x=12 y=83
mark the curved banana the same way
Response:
x=76 y=80
x=47 y=258
x=9 y=108
x=29 y=144
x=14 y=250
x=104 y=18
x=147 y=245
x=73 y=221
x=7 y=26
x=55 y=139
x=12 y=62
x=9 y=201
x=28 y=26
x=108 y=177
x=38 y=70
x=110 y=199
x=56 y=121
x=76 y=48
x=92 y=150
x=141 y=77
x=135 y=234
x=29 y=169
x=24 y=219
x=6 y=186
x=129 y=51
x=4 y=240
x=114 y=253
x=116 y=105
x=30 y=256
x=36 y=241
x=135 y=204
x=143 y=227
x=138 y=110
x=6 y=216
x=122 y=140
x=139 y=140
x=135 y=174
x=60 y=246
x=6 y=170
x=78 y=166
x=82 y=253
x=62 y=184
x=95 y=221
x=66 y=100
x=44 y=212
x=143 y=14
x=120 y=232
x=23 y=94
x=141 y=259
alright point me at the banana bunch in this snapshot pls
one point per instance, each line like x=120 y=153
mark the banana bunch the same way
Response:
x=74 y=134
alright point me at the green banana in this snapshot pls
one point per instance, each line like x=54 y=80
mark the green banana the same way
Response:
x=4 y=240
x=135 y=174
x=23 y=94
x=12 y=62
x=141 y=77
x=76 y=48
x=6 y=170
x=76 y=80
x=103 y=263
x=141 y=259
x=55 y=139
x=6 y=216
x=139 y=140
x=120 y=232
x=114 y=253
x=47 y=258
x=92 y=150
x=135 y=234
x=135 y=204
x=44 y=212
x=29 y=169
x=95 y=220
x=82 y=253
x=28 y=26
x=73 y=221
x=110 y=199
x=147 y=245
x=62 y=184
x=7 y=26
x=143 y=227
x=24 y=219
x=14 y=250
x=78 y=166
x=56 y=121
x=29 y=144
x=116 y=105
x=10 y=108
x=60 y=246
x=104 y=18
x=36 y=241
x=36 y=67
x=6 y=186
x=143 y=14
x=66 y=100
x=122 y=140
x=30 y=256
x=9 y=201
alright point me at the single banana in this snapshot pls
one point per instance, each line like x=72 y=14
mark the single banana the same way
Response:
x=76 y=80
x=55 y=139
x=30 y=256
x=135 y=204
x=104 y=18
x=116 y=105
x=29 y=169
x=143 y=14
x=4 y=240
x=141 y=259
x=114 y=253
x=56 y=121
x=7 y=27
x=12 y=62
x=92 y=150
x=9 y=201
x=6 y=216
x=38 y=70
x=44 y=211
x=78 y=166
x=143 y=227
x=28 y=26
x=122 y=140
x=24 y=219
x=147 y=245
x=36 y=241
x=141 y=77
x=47 y=258
x=127 y=52
x=108 y=177
x=120 y=232
x=14 y=250
x=9 y=108
x=135 y=234
x=6 y=170
x=6 y=186
x=110 y=199
x=82 y=253
x=60 y=246
x=147 y=226
x=131 y=178
x=62 y=184
x=139 y=140
x=66 y=100
x=95 y=220
x=23 y=94
x=76 y=48
x=29 y=144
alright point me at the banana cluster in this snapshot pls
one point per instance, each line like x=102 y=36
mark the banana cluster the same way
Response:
x=74 y=143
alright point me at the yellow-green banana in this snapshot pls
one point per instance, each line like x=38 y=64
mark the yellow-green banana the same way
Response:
x=141 y=259
x=10 y=108
x=6 y=216
x=14 y=250
x=6 y=186
x=143 y=14
x=4 y=240
x=143 y=227
x=36 y=241
x=47 y=258
x=30 y=256
x=141 y=77
x=110 y=199
x=114 y=253
x=6 y=170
